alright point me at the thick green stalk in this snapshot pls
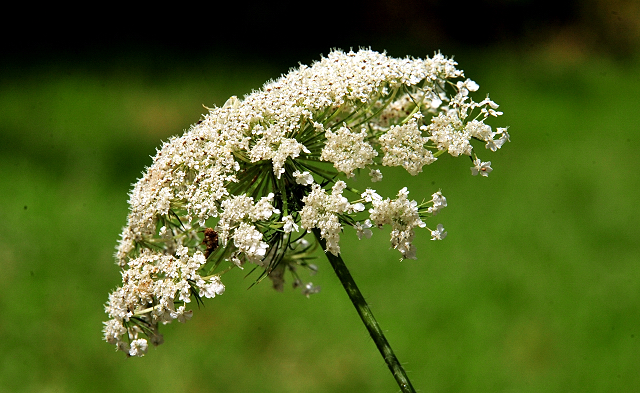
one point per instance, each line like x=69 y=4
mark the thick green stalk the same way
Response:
x=367 y=318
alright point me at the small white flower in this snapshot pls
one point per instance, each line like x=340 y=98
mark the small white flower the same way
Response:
x=138 y=347
x=439 y=233
x=492 y=144
x=488 y=107
x=357 y=207
x=439 y=203
x=212 y=288
x=478 y=129
x=303 y=178
x=263 y=209
x=467 y=86
x=248 y=240
x=370 y=195
x=363 y=229
x=483 y=168
x=435 y=103
x=376 y=175
x=495 y=144
x=113 y=330
x=289 y=224
x=338 y=187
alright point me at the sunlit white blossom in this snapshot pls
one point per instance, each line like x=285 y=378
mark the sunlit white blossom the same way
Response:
x=371 y=195
x=305 y=178
x=495 y=144
x=138 y=347
x=237 y=187
x=289 y=224
x=376 y=175
x=439 y=233
x=248 y=241
x=212 y=288
x=439 y=202
x=481 y=167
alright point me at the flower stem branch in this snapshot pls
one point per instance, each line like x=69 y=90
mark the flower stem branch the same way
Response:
x=367 y=318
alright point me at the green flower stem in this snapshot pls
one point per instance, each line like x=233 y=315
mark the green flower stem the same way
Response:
x=367 y=318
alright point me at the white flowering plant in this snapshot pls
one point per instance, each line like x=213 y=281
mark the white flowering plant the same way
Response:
x=264 y=180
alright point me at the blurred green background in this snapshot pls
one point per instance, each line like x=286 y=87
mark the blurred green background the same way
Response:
x=536 y=288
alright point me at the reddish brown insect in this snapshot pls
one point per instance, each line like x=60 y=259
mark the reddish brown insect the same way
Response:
x=210 y=241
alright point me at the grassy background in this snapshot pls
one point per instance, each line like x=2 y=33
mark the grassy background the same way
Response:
x=534 y=290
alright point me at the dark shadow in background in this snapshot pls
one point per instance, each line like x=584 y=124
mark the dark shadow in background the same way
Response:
x=290 y=32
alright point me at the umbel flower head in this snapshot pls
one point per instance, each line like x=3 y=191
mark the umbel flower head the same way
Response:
x=247 y=182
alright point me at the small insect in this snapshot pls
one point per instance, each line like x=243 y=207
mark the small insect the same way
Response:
x=210 y=241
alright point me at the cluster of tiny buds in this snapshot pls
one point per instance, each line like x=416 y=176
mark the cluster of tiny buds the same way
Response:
x=248 y=182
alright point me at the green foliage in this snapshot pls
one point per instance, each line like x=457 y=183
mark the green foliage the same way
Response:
x=534 y=290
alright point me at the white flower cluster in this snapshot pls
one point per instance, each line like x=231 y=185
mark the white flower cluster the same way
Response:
x=238 y=214
x=239 y=185
x=156 y=280
x=452 y=130
x=403 y=217
x=348 y=150
x=322 y=210
x=404 y=145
